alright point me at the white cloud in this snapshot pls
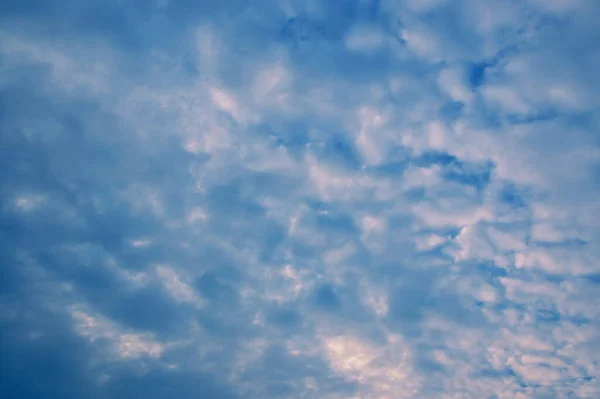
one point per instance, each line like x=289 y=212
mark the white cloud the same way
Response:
x=179 y=289
x=125 y=345
x=459 y=242
x=385 y=372
x=452 y=81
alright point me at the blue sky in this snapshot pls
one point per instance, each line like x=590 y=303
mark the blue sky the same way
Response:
x=353 y=199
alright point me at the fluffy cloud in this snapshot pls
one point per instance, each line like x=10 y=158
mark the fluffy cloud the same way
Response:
x=356 y=199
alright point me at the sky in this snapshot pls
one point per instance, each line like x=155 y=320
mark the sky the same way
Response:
x=351 y=199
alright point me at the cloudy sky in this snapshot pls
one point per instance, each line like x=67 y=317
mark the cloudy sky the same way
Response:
x=303 y=199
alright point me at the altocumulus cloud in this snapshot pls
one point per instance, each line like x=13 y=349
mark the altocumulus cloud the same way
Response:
x=289 y=199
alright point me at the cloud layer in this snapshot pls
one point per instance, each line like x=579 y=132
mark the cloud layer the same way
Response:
x=352 y=199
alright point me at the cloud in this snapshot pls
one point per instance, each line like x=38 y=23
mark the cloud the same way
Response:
x=372 y=199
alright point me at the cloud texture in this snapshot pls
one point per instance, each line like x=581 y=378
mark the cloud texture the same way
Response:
x=300 y=199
